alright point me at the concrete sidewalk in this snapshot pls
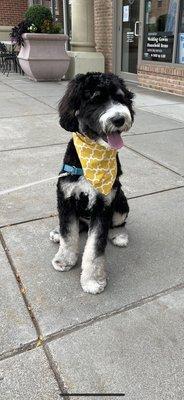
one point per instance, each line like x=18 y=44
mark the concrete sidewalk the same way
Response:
x=54 y=338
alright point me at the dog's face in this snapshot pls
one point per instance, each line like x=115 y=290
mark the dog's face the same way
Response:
x=99 y=106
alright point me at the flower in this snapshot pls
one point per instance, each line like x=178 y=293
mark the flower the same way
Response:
x=32 y=28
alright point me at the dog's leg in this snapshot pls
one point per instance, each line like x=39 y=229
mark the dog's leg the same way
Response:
x=118 y=234
x=55 y=235
x=93 y=277
x=67 y=255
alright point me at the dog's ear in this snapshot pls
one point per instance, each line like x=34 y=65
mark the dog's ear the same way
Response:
x=70 y=103
x=128 y=94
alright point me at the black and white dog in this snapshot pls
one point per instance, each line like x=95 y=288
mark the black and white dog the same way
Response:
x=98 y=106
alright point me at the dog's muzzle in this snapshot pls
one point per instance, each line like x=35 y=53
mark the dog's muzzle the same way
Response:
x=115 y=120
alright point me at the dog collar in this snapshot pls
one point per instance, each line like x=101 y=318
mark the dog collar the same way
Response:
x=99 y=163
x=72 y=169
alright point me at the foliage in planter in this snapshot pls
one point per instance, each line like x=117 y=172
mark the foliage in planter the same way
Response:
x=50 y=27
x=38 y=19
x=17 y=31
x=37 y=15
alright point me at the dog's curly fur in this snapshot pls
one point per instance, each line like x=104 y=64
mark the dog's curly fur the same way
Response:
x=95 y=104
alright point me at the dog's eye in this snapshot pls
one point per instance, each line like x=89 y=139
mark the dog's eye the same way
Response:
x=95 y=94
x=120 y=93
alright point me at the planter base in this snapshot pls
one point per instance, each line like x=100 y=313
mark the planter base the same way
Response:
x=83 y=61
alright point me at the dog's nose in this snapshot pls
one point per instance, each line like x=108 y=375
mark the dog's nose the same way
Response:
x=118 y=121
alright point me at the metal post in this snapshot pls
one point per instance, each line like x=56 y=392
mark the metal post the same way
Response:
x=53 y=9
x=66 y=21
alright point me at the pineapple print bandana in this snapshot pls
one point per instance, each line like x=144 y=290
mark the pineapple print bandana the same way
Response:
x=98 y=163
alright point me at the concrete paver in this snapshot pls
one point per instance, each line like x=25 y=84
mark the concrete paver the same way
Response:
x=175 y=111
x=52 y=101
x=29 y=165
x=150 y=99
x=11 y=95
x=139 y=353
x=31 y=131
x=166 y=148
x=141 y=176
x=145 y=267
x=35 y=89
x=16 y=326
x=152 y=96
x=146 y=122
x=27 y=377
x=4 y=88
x=22 y=105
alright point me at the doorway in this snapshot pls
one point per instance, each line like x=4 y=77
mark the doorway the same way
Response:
x=128 y=37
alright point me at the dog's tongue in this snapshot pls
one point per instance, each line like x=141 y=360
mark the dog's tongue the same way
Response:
x=115 y=140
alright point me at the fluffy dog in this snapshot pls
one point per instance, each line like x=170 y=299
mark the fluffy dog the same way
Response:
x=98 y=108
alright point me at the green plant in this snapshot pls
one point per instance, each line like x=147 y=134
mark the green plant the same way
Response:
x=56 y=28
x=50 y=27
x=37 y=14
x=38 y=19
x=46 y=26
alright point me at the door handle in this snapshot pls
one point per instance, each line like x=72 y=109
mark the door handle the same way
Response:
x=136 y=30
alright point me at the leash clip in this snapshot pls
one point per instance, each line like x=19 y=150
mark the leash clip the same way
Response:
x=75 y=170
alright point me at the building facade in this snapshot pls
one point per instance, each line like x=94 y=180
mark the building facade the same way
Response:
x=11 y=13
x=141 y=40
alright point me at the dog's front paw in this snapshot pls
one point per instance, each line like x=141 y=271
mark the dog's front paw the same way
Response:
x=64 y=260
x=120 y=240
x=118 y=237
x=92 y=286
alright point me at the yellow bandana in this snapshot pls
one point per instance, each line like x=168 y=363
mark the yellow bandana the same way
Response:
x=98 y=163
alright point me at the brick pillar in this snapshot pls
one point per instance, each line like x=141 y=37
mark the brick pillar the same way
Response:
x=103 y=15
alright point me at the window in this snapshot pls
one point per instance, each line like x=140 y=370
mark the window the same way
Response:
x=180 y=45
x=160 y=19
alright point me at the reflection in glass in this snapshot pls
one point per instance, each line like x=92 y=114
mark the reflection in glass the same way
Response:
x=160 y=17
x=130 y=14
x=180 y=46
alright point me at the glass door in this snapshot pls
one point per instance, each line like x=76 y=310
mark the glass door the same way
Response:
x=129 y=30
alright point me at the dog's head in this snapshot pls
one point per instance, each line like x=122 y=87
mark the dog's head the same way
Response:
x=99 y=106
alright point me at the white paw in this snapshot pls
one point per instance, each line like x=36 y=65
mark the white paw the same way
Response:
x=64 y=261
x=92 y=286
x=120 y=240
x=55 y=236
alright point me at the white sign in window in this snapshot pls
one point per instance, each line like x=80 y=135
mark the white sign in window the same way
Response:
x=125 y=13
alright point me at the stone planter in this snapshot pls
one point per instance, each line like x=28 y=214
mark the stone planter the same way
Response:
x=43 y=56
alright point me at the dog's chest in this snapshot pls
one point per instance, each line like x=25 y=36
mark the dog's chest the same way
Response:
x=83 y=187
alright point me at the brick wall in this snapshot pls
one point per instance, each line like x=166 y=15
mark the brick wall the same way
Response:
x=12 y=11
x=165 y=78
x=103 y=15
